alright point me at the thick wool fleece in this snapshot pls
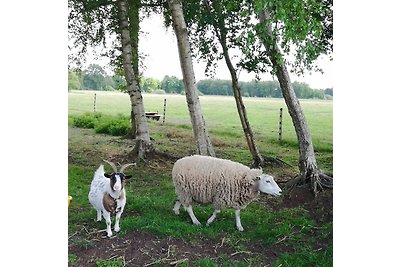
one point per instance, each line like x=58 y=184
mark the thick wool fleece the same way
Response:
x=224 y=183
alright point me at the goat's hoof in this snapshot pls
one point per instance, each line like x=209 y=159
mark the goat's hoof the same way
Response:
x=116 y=229
x=240 y=229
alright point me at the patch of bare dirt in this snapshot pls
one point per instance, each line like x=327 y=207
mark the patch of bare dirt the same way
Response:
x=146 y=249
x=320 y=207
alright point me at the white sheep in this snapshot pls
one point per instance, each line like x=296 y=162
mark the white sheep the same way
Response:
x=107 y=194
x=224 y=183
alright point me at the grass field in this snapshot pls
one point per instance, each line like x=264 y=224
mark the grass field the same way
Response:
x=279 y=232
x=223 y=123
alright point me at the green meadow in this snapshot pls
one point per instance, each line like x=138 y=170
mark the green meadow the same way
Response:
x=292 y=233
x=223 y=123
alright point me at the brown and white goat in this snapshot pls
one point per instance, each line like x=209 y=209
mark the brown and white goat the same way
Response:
x=107 y=194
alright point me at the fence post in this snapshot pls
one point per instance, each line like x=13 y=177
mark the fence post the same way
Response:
x=165 y=106
x=94 y=103
x=280 y=125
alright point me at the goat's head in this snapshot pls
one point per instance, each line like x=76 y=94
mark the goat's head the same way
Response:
x=117 y=178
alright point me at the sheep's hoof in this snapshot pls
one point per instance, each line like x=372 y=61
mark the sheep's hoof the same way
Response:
x=197 y=223
x=240 y=228
x=109 y=234
x=116 y=229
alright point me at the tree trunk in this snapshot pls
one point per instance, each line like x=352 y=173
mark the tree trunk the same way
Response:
x=133 y=13
x=258 y=159
x=309 y=171
x=143 y=144
x=203 y=142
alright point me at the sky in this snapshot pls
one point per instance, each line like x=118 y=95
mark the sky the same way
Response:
x=160 y=45
x=162 y=58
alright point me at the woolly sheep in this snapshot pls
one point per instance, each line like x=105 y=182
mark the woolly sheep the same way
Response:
x=107 y=194
x=224 y=183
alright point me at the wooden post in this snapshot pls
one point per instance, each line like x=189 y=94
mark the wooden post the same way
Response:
x=94 y=103
x=280 y=125
x=165 y=106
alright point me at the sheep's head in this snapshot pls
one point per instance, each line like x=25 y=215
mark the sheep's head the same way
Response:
x=117 y=178
x=267 y=184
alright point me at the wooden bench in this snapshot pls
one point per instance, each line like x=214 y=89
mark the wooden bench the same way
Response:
x=153 y=115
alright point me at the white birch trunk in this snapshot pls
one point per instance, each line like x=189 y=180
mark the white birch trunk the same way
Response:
x=307 y=162
x=143 y=143
x=200 y=131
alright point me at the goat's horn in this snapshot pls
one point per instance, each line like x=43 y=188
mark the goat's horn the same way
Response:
x=112 y=165
x=126 y=166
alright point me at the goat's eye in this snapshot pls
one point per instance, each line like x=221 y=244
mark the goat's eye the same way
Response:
x=268 y=181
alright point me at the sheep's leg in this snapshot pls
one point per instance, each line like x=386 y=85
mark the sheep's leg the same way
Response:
x=176 y=207
x=213 y=216
x=238 y=223
x=106 y=215
x=192 y=216
x=98 y=215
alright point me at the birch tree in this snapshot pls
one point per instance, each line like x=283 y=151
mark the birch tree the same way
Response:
x=143 y=144
x=213 y=24
x=311 y=34
x=203 y=142
x=90 y=22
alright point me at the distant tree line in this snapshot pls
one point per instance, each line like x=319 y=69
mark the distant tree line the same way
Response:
x=95 y=78
x=260 y=89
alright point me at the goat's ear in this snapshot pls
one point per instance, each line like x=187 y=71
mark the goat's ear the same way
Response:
x=107 y=175
x=128 y=176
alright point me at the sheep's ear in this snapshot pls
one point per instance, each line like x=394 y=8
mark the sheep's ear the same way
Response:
x=128 y=176
x=107 y=175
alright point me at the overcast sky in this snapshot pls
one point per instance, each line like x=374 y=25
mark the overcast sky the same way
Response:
x=159 y=44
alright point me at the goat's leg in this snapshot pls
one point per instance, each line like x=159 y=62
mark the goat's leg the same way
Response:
x=192 y=216
x=117 y=218
x=213 y=216
x=177 y=206
x=106 y=215
x=98 y=215
x=238 y=223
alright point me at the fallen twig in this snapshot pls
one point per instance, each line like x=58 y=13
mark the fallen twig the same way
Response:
x=219 y=246
x=73 y=234
x=280 y=240
x=238 y=252
x=178 y=261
